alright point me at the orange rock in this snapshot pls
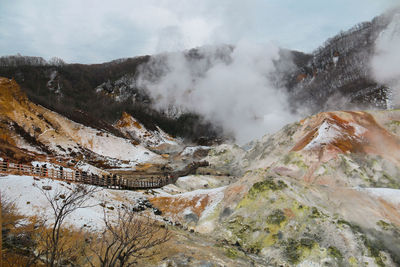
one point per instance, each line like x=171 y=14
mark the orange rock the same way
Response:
x=301 y=77
x=373 y=139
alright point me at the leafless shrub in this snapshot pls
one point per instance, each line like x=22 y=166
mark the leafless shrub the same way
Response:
x=126 y=239
x=56 y=242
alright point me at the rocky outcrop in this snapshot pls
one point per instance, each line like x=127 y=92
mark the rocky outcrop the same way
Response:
x=156 y=139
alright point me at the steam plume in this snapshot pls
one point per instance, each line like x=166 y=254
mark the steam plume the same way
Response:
x=386 y=60
x=230 y=86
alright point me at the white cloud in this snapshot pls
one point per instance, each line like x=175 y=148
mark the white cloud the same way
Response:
x=86 y=29
x=99 y=30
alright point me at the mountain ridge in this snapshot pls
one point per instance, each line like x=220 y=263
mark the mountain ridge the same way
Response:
x=334 y=76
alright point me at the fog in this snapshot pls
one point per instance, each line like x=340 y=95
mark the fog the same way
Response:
x=232 y=87
x=386 y=60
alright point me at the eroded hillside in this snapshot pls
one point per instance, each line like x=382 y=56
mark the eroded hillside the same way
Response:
x=30 y=131
x=321 y=191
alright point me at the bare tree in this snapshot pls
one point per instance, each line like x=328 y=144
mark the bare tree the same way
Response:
x=62 y=203
x=56 y=61
x=19 y=60
x=126 y=239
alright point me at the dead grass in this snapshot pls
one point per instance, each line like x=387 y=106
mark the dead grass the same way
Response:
x=127 y=120
x=174 y=206
x=137 y=125
x=22 y=239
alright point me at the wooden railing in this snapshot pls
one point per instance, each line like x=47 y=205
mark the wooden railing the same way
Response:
x=83 y=177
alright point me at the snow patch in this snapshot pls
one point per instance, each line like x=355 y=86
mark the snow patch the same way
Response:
x=335 y=60
x=358 y=130
x=216 y=195
x=21 y=143
x=168 y=190
x=193 y=182
x=387 y=194
x=83 y=166
x=190 y=150
x=112 y=146
x=326 y=134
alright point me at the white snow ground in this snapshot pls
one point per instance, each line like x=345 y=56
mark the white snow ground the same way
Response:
x=193 y=182
x=83 y=166
x=326 y=133
x=112 y=146
x=30 y=201
x=387 y=194
x=190 y=150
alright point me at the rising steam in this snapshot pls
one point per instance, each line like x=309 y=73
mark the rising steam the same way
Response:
x=232 y=87
x=386 y=61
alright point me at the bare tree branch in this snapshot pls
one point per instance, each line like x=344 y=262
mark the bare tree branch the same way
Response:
x=62 y=203
x=127 y=238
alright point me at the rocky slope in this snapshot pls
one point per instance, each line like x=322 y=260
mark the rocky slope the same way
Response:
x=338 y=74
x=97 y=95
x=325 y=190
x=30 y=131
x=154 y=139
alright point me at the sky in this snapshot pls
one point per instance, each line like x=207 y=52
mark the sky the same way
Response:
x=94 y=31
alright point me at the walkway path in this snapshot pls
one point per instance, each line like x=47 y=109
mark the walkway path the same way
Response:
x=109 y=181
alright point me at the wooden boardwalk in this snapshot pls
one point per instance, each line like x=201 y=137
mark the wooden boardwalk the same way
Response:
x=109 y=181
x=75 y=176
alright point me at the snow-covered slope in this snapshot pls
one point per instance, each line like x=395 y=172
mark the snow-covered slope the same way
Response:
x=131 y=128
x=30 y=201
x=39 y=130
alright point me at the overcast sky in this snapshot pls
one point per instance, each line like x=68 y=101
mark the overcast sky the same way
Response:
x=92 y=31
